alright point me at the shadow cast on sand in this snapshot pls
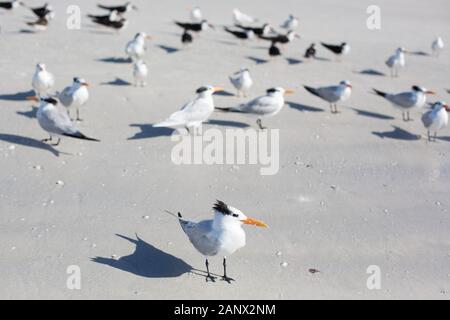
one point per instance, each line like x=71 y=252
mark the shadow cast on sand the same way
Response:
x=257 y=60
x=293 y=61
x=19 y=96
x=444 y=139
x=224 y=94
x=371 y=72
x=228 y=123
x=28 y=142
x=398 y=134
x=29 y=114
x=374 y=115
x=168 y=49
x=148 y=131
x=147 y=261
x=118 y=60
x=303 y=108
x=117 y=82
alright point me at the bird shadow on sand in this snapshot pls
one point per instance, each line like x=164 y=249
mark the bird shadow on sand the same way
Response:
x=293 y=61
x=322 y=59
x=19 y=96
x=227 y=42
x=224 y=94
x=371 y=114
x=118 y=60
x=419 y=53
x=26 y=31
x=29 y=114
x=116 y=82
x=228 y=123
x=28 y=142
x=371 y=72
x=444 y=139
x=303 y=108
x=257 y=60
x=397 y=134
x=147 y=261
x=167 y=49
x=148 y=131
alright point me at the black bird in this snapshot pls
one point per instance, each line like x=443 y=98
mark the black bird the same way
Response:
x=120 y=9
x=9 y=5
x=41 y=24
x=311 y=51
x=339 y=49
x=116 y=24
x=243 y=35
x=274 y=51
x=42 y=12
x=195 y=27
x=105 y=19
x=262 y=31
x=281 y=38
x=186 y=38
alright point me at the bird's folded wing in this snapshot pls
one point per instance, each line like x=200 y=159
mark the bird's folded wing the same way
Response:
x=406 y=99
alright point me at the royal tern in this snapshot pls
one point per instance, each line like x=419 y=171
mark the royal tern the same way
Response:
x=56 y=122
x=333 y=94
x=75 y=96
x=405 y=101
x=265 y=30
x=436 y=119
x=140 y=72
x=196 y=14
x=437 y=46
x=282 y=38
x=242 y=81
x=195 y=27
x=241 y=34
x=339 y=50
x=221 y=236
x=242 y=18
x=42 y=80
x=291 y=23
x=127 y=7
x=396 y=61
x=195 y=112
x=135 y=49
x=311 y=51
x=10 y=5
x=262 y=107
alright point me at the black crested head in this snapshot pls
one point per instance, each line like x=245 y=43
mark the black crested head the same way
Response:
x=221 y=207
x=417 y=88
x=343 y=44
x=50 y=100
x=271 y=90
x=201 y=89
x=76 y=79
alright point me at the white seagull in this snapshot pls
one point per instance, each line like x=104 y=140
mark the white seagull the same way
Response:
x=242 y=81
x=75 y=96
x=291 y=23
x=140 y=72
x=196 y=14
x=437 y=46
x=195 y=112
x=42 y=81
x=396 y=61
x=333 y=94
x=242 y=18
x=135 y=49
x=436 y=119
x=56 y=122
x=405 y=101
x=221 y=236
x=264 y=106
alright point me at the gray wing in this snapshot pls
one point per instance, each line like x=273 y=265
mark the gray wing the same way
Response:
x=330 y=94
x=427 y=119
x=259 y=106
x=199 y=235
x=57 y=121
x=236 y=80
x=66 y=97
x=405 y=99
x=390 y=61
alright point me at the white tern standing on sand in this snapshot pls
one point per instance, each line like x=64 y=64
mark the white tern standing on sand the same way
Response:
x=436 y=119
x=42 y=80
x=242 y=81
x=242 y=18
x=437 y=46
x=333 y=94
x=136 y=48
x=396 y=61
x=140 y=72
x=75 y=96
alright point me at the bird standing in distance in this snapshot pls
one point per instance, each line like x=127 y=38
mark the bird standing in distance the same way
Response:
x=291 y=23
x=281 y=38
x=265 y=30
x=221 y=236
x=56 y=122
x=11 y=5
x=41 y=24
x=186 y=38
x=242 y=18
x=42 y=80
x=241 y=34
x=75 y=96
x=262 y=107
x=396 y=61
x=140 y=73
x=242 y=81
x=333 y=94
x=105 y=19
x=121 y=10
x=436 y=46
x=435 y=119
x=405 y=101
x=116 y=25
x=195 y=112
x=45 y=11
x=195 y=27
x=339 y=50
x=311 y=51
x=274 y=51
x=135 y=49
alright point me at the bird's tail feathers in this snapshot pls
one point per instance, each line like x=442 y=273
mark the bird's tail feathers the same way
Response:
x=79 y=135
x=380 y=93
x=312 y=90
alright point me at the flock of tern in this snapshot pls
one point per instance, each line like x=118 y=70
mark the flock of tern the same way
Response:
x=223 y=234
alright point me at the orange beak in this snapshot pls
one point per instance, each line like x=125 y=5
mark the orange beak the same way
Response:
x=288 y=91
x=148 y=37
x=349 y=86
x=86 y=84
x=33 y=98
x=255 y=222
x=447 y=107
x=430 y=92
x=217 y=89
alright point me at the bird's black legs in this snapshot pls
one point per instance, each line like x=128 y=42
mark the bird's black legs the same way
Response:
x=259 y=123
x=189 y=131
x=435 y=137
x=47 y=140
x=57 y=142
x=209 y=277
x=78 y=115
x=225 y=278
